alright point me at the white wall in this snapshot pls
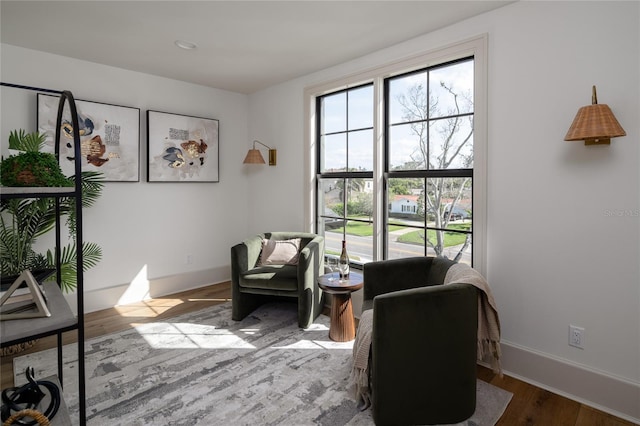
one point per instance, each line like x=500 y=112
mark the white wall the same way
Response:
x=563 y=229
x=146 y=229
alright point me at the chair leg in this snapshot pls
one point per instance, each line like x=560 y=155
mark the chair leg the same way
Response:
x=310 y=306
x=305 y=308
x=242 y=304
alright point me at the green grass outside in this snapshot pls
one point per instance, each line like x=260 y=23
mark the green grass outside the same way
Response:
x=416 y=237
x=450 y=238
x=361 y=229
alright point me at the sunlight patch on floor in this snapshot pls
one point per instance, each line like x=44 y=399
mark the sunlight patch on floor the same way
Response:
x=148 y=309
x=180 y=335
x=164 y=335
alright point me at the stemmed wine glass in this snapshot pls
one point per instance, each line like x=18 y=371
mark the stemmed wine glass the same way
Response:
x=332 y=262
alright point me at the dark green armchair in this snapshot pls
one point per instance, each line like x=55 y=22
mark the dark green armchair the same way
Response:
x=252 y=284
x=423 y=342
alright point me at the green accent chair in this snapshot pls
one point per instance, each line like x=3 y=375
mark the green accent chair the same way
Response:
x=424 y=342
x=252 y=286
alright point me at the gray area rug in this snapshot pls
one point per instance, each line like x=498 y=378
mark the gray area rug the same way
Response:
x=202 y=368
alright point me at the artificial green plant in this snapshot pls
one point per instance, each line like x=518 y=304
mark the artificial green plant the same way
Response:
x=42 y=168
x=22 y=221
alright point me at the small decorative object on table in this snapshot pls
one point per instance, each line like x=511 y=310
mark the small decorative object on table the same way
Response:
x=36 y=415
x=344 y=262
x=29 y=303
x=23 y=401
x=332 y=263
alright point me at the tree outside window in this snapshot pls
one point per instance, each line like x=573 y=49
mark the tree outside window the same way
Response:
x=427 y=208
x=430 y=156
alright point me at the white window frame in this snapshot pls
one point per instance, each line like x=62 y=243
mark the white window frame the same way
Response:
x=476 y=47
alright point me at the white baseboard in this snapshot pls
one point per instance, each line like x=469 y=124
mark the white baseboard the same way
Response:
x=613 y=395
x=105 y=298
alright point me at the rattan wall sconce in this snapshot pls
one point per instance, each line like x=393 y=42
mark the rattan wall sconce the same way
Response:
x=594 y=124
x=255 y=157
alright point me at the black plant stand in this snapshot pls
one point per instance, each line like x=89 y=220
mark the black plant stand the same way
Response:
x=62 y=319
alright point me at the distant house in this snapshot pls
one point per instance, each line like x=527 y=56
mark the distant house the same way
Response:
x=404 y=204
x=460 y=210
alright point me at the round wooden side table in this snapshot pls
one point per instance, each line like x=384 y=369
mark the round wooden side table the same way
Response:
x=342 y=328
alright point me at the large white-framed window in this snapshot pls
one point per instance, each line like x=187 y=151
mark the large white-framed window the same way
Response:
x=394 y=173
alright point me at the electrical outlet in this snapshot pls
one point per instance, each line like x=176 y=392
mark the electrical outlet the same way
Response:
x=189 y=259
x=576 y=336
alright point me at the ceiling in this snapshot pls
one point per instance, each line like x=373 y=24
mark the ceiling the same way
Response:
x=242 y=46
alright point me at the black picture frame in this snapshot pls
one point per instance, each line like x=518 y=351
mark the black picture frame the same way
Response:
x=182 y=148
x=109 y=137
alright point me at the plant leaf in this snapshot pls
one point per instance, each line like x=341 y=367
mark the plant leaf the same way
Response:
x=91 y=256
x=23 y=141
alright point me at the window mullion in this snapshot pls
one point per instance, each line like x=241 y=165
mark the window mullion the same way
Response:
x=379 y=197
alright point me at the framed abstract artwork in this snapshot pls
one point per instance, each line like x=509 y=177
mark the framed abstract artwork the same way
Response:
x=109 y=137
x=181 y=148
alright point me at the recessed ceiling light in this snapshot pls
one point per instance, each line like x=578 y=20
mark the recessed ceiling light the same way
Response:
x=185 y=44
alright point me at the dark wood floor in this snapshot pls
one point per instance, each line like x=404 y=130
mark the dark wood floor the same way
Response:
x=530 y=405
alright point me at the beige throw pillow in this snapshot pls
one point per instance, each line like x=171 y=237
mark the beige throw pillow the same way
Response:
x=279 y=252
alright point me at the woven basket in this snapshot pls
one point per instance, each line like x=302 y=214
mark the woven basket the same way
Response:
x=32 y=169
x=25 y=177
x=34 y=414
x=17 y=348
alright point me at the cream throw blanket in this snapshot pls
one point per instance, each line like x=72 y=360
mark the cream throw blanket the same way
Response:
x=488 y=333
x=359 y=378
x=488 y=320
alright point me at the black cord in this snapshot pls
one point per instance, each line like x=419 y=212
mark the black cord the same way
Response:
x=29 y=396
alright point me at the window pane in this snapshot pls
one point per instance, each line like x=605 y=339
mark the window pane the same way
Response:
x=451 y=143
x=407 y=147
x=359 y=246
x=406 y=201
x=360 y=198
x=404 y=241
x=329 y=198
x=331 y=211
x=361 y=108
x=452 y=89
x=449 y=201
x=334 y=113
x=410 y=242
x=446 y=231
x=456 y=204
x=359 y=237
x=408 y=98
x=333 y=240
x=330 y=225
x=460 y=246
x=361 y=150
x=334 y=153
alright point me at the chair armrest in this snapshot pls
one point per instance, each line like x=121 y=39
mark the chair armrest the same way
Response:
x=244 y=256
x=396 y=274
x=311 y=262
